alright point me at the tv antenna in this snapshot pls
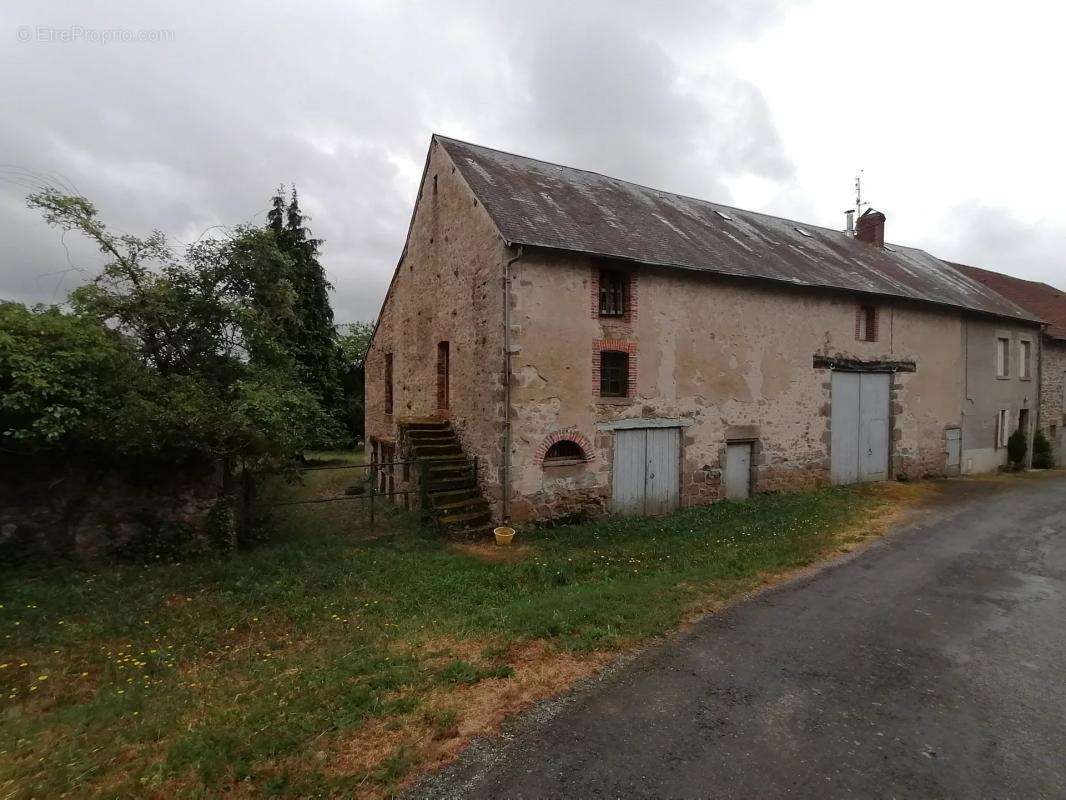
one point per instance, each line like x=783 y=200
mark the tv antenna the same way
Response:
x=859 y=202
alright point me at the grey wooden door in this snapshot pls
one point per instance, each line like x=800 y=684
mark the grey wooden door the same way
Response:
x=844 y=439
x=661 y=481
x=954 y=450
x=873 y=426
x=630 y=454
x=646 y=478
x=738 y=471
x=859 y=422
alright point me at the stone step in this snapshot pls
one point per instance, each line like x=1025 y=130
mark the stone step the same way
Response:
x=430 y=450
x=462 y=505
x=465 y=520
x=451 y=494
x=441 y=466
x=426 y=425
x=450 y=484
x=472 y=533
x=431 y=435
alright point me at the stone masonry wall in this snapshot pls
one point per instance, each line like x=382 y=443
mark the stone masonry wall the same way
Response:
x=1052 y=381
x=447 y=288
x=87 y=511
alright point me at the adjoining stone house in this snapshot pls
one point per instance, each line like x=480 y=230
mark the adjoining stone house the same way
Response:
x=600 y=346
x=1049 y=304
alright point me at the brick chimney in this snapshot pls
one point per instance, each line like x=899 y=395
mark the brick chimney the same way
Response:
x=871 y=228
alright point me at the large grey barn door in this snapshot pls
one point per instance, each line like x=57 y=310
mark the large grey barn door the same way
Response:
x=859 y=427
x=646 y=479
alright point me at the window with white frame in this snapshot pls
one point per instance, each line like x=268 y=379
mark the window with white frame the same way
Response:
x=1025 y=358
x=1002 y=357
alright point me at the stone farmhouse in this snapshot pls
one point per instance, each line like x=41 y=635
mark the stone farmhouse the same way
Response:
x=559 y=343
x=1049 y=304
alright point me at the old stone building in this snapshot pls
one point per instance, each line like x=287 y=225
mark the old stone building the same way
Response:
x=1049 y=304
x=560 y=342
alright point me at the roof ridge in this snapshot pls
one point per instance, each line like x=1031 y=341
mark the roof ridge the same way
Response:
x=546 y=204
x=442 y=137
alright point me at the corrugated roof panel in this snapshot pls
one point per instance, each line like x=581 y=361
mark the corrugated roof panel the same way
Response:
x=547 y=205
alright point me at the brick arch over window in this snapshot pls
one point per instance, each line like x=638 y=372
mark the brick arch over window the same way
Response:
x=566 y=436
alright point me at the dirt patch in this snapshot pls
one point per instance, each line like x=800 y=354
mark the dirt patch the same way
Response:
x=489 y=551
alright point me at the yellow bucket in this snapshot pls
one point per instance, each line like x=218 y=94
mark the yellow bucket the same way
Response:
x=503 y=535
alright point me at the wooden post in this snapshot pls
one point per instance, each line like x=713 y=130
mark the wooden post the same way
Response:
x=423 y=487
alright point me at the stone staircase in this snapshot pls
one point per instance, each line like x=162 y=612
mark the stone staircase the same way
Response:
x=455 y=501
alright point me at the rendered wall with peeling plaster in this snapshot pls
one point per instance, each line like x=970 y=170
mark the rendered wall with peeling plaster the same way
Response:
x=723 y=353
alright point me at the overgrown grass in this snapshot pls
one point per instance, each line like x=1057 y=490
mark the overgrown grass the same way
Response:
x=254 y=674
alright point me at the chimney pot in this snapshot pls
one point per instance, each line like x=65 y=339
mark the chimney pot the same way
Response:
x=871 y=228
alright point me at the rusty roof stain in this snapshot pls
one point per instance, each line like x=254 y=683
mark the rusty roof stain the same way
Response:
x=540 y=204
x=1041 y=299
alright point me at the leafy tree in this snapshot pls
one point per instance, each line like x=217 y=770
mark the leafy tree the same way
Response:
x=207 y=330
x=309 y=335
x=1016 y=448
x=353 y=341
x=1043 y=458
x=63 y=378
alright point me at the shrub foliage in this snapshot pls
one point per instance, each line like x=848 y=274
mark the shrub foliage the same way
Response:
x=163 y=354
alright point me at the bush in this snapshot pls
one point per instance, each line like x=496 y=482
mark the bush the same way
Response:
x=1042 y=456
x=1017 y=446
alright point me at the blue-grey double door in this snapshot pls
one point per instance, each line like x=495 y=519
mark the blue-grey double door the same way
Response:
x=859 y=424
x=646 y=476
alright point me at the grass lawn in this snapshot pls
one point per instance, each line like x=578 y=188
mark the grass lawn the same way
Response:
x=333 y=660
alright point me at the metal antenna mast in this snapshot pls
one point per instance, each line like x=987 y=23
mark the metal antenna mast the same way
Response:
x=858 y=195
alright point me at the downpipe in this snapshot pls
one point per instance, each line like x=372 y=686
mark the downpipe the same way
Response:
x=505 y=461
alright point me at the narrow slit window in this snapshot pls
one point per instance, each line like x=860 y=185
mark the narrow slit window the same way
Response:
x=443 y=374
x=614 y=374
x=388 y=383
x=1026 y=353
x=613 y=293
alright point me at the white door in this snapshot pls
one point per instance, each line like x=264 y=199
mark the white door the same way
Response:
x=646 y=475
x=859 y=422
x=738 y=471
x=954 y=448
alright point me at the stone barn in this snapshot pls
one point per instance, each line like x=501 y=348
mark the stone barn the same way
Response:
x=557 y=343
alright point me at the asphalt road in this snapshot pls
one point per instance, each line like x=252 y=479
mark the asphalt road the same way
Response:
x=932 y=665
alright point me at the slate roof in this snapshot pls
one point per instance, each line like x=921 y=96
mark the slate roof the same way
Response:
x=541 y=204
x=1041 y=299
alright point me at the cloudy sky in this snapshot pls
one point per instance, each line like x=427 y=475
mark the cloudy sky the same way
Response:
x=952 y=110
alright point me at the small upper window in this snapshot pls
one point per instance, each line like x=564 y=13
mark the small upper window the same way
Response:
x=1026 y=351
x=1002 y=357
x=866 y=324
x=613 y=294
x=565 y=450
x=614 y=374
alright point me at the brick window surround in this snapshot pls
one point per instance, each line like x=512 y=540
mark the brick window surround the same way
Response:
x=866 y=323
x=630 y=277
x=569 y=435
x=614 y=346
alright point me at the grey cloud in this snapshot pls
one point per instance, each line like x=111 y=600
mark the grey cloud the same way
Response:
x=992 y=237
x=341 y=98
